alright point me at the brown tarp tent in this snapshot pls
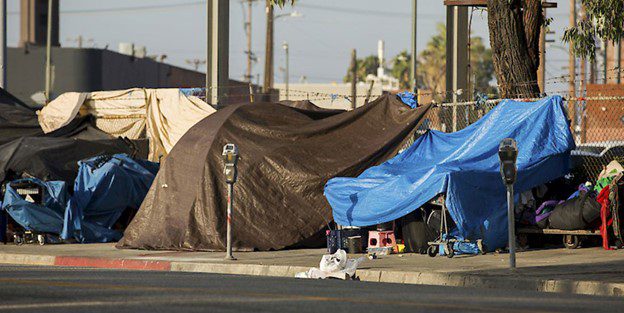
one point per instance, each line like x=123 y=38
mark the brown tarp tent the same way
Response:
x=286 y=156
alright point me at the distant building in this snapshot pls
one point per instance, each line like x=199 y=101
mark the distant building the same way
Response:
x=75 y=69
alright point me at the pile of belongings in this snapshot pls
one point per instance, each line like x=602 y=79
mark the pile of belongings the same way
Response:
x=591 y=206
x=287 y=153
x=105 y=187
x=464 y=166
x=610 y=189
x=337 y=266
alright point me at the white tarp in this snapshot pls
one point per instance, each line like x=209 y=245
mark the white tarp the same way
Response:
x=161 y=115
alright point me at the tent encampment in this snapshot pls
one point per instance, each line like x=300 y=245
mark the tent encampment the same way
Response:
x=160 y=115
x=286 y=156
x=464 y=165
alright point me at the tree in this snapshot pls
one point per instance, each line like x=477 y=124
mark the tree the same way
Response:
x=401 y=67
x=514 y=27
x=365 y=66
x=604 y=19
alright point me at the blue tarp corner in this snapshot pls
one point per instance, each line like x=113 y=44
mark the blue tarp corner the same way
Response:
x=409 y=98
x=463 y=165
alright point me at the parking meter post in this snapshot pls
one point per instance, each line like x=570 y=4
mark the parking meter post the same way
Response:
x=228 y=254
x=508 y=154
x=512 y=226
x=230 y=158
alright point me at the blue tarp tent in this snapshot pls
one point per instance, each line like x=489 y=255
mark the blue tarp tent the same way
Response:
x=104 y=188
x=464 y=165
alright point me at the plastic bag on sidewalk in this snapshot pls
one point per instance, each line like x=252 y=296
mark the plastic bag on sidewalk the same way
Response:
x=335 y=265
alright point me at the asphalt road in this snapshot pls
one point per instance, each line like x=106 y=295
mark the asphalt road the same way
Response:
x=50 y=289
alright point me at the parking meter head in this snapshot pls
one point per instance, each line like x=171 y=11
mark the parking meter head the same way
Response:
x=230 y=157
x=230 y=153
x=508 y=153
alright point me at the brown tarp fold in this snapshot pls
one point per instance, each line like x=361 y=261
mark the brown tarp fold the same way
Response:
x=286 y=156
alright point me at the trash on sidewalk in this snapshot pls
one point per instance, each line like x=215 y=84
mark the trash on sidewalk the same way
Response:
x=336 y=265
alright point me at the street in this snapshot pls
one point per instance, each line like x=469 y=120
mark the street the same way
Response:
x=50 y=289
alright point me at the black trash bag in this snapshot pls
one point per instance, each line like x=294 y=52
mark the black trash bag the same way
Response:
x=575 y=214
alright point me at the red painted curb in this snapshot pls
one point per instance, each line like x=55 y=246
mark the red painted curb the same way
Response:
x=113 y=263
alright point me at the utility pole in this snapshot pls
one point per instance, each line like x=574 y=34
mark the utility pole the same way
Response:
x=287 y=72
x=3 y=42
x=619 y=61
x=456 y=55
x=48 y=70
x=572 y=68
x=250 y=55
x=217 y=50
x=541 y=70
x=354 y=79
x=413 y=63
x=605 y=46
x=268 y=56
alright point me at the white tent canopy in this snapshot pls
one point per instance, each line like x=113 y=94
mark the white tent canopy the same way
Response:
x=161 y=115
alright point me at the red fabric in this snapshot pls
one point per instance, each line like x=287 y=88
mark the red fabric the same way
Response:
x=605 y=217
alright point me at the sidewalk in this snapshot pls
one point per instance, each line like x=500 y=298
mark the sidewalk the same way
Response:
x=590 y=271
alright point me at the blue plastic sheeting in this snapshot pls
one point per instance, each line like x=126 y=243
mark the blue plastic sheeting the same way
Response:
x=409 y=99
x=46 y=217
x=104 y=188
x=464 y=165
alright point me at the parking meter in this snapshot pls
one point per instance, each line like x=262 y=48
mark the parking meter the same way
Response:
x=230 y=158
x=508 y=153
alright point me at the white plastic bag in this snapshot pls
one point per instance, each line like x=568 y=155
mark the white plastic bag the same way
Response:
x=335 y=265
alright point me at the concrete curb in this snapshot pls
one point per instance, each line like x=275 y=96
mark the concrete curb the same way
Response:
x=515 y=282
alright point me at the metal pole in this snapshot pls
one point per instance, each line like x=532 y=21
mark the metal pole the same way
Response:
x=48 y=70
x=572 y=70
x=414 y=64
x=512 y=227
x=268 y=56
x=354 y=79
x=287 y=69
x=248 y=76
x=217 y=71
x=3 y=42
x=619 y=61
x=228 y=252
x=455 y=60
x=605 y=46
x=541 y=71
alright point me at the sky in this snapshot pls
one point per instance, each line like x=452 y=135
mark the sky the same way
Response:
x=320 y=40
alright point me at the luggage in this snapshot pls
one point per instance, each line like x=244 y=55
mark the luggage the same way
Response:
x=575 y=214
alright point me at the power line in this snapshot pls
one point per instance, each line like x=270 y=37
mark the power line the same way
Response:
x=377 y=13
x=128 y=9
